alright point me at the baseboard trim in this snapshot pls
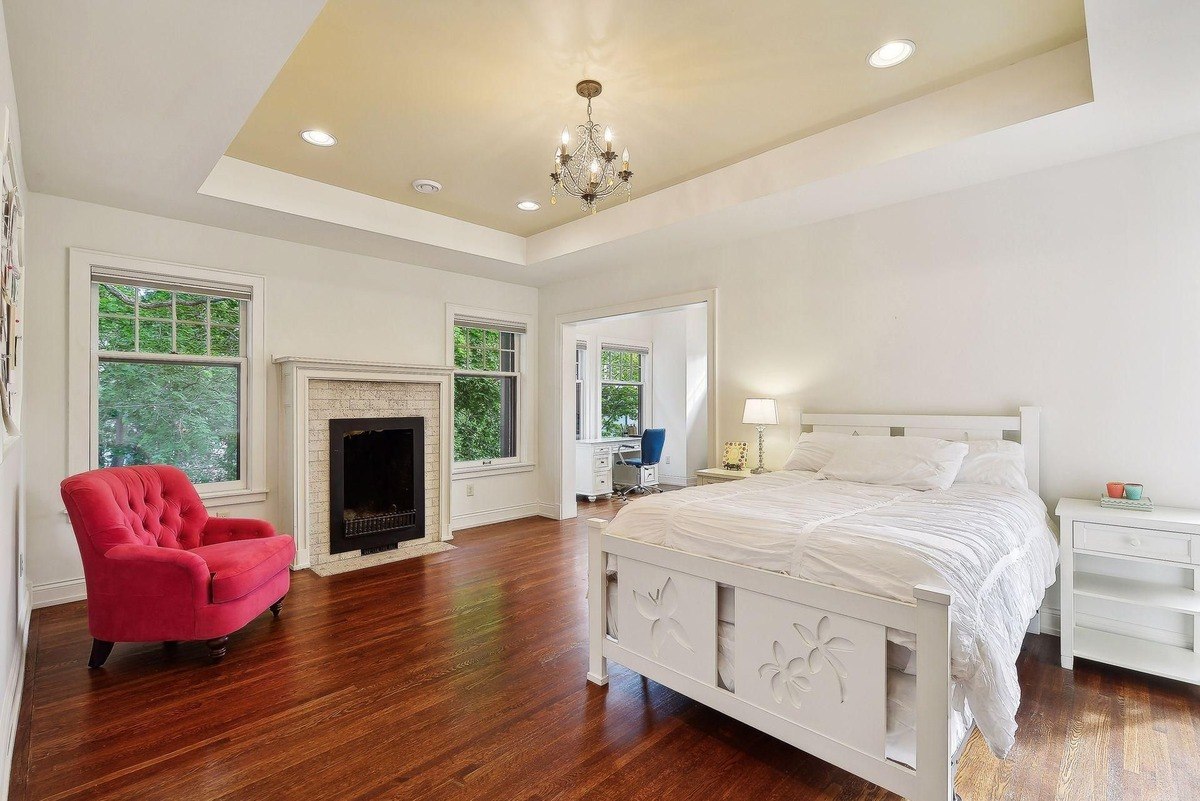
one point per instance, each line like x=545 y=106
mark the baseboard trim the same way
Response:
x=489 y=516
x=58 y=592
x=550 y=510
x=11 y=712
x=1051 y=620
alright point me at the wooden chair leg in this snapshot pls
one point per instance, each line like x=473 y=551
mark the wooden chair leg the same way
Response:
x=216 y=648
x=277 y=607
x=100 y=651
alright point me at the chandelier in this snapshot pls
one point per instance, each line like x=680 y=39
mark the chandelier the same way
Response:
x=589 y=172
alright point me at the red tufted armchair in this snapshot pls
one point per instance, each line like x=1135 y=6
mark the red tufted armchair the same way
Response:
x=158 y=568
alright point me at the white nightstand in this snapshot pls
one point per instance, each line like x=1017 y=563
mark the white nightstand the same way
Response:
x=1165 y=537
x=719 y=475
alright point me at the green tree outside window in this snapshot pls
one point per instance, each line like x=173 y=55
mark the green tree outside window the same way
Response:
x=169 y=381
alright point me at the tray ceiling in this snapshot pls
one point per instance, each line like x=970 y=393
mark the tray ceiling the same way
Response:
x=474 y=95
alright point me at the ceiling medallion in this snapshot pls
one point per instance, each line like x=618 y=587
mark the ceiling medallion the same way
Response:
x=589 y=172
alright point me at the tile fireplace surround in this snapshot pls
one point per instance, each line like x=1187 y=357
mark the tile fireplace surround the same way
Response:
x=317 y=390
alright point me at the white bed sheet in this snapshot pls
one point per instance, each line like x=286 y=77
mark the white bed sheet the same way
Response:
x=991 y=546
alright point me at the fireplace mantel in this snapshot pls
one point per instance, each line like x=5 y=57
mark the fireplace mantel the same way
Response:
x=298 y=372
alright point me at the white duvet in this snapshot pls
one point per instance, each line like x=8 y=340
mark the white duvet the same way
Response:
x=991 y=546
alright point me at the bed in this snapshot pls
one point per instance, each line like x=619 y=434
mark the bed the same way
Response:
x=871 y=626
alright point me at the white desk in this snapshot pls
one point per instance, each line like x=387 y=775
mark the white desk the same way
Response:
x=594 y=460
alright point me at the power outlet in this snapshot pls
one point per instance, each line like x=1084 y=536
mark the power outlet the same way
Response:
x=668 y=460
x=470 y=490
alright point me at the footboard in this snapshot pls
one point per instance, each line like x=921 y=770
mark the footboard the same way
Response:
x=809 y=660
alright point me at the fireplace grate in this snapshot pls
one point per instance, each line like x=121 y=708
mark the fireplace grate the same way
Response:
x=365 y=525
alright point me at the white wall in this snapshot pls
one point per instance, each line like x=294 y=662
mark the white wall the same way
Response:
x=1075 y=288
x=14 y=595
x=318 y=303
x=696 y=377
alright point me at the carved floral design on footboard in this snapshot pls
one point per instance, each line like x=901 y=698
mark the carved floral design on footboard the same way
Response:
x=659 y=608
x=790 y=676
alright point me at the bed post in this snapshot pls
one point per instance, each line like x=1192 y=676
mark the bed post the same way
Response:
x=1031 y=442
x=935 y=774
x=597 y=603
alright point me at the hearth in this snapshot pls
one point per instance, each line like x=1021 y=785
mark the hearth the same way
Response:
x=376 y=482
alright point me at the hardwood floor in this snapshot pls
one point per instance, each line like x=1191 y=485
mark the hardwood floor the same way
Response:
x=461 y=675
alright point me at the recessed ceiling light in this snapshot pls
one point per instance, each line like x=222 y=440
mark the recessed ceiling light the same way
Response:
x=528 y=205
x=892 y=53
x=318 y=138
x=427 y=187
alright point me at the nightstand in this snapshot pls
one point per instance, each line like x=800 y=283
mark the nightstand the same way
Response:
x=1095 y=541
x=719 y=475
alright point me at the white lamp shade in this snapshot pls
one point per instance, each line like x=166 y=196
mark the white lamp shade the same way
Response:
x=760 y=412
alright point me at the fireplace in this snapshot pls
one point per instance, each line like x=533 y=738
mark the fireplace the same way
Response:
x=376 y=483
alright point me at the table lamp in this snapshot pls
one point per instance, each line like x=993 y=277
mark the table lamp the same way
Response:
x=760 y=413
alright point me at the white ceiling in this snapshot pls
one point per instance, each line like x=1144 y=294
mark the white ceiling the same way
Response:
x=131 y=103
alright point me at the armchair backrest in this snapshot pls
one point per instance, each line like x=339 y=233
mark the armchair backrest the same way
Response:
x=144 y=505
x=653 y=440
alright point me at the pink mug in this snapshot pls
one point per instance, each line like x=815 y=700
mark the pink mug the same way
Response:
x=1116 y=489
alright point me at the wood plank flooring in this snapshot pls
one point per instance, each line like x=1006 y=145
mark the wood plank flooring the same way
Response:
x=461 y=675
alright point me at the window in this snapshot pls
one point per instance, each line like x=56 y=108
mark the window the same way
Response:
x=580 y=385
x=487 y=359
x=170 y=370
x=167 y=367
x=622 y=390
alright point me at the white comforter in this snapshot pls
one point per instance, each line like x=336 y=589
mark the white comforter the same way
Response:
x=991 y=546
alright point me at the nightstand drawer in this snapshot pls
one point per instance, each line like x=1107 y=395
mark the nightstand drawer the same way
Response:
x=1169 y=546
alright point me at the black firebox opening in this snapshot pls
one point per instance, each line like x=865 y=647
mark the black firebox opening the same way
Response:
x=376 y=482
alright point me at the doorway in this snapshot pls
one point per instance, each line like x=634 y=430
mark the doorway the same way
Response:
x=628 y=368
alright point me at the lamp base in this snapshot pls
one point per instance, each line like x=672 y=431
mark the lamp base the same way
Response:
x=758 y=471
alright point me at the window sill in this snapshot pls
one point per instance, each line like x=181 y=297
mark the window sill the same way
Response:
x=491 y=470
x=232 y=497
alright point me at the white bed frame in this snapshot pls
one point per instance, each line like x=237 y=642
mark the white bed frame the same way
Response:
x=667 y=612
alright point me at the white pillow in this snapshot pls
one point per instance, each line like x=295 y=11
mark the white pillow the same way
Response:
x=813 y=450
x=994 y=461
x=921 y=463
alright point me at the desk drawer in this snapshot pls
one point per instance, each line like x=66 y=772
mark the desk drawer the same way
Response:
x=602 y=483
x=1169 y=546
x=601 y=461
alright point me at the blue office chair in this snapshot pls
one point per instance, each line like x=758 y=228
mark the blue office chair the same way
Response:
x=653 y=440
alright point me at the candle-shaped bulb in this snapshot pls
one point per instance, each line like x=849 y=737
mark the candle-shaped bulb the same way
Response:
x=595 y=165
x=625 y=159
x=608 y=138
x=566 y=138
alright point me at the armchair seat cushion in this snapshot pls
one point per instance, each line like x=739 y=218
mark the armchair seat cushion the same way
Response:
x=239 y=568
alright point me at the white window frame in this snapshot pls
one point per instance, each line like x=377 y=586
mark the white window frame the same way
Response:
x=617 y=343
x=84 y=360
x=582 y=384
x=522 y=462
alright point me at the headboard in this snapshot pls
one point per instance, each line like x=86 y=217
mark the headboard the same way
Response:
x=1023 y=428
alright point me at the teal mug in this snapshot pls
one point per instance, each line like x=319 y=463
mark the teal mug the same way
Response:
x=1133 y=492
